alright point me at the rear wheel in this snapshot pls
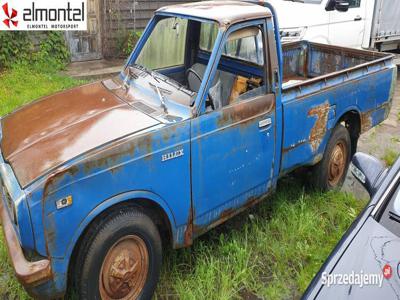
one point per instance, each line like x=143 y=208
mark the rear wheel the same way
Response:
x=331 y=171
x=120 y=257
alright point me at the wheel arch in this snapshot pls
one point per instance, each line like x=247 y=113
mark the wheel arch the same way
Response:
x=151 y=204
x=352 y=122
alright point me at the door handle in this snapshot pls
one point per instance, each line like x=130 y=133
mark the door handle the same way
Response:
x=357 y=18
x=264 y=123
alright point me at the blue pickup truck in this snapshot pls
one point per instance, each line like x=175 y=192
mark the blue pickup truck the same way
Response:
x=208 y=113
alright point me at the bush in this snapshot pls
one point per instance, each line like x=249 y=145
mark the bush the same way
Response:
x=126 y=42
x=132 y=39
x=18 y=48
x=53 y=51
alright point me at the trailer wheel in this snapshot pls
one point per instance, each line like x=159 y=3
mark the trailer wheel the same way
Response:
x=120 y=258
x=330 y=172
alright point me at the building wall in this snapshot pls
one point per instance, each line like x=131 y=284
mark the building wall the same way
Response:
x=119 y=17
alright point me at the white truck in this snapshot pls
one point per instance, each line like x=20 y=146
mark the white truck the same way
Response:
x=363 y=24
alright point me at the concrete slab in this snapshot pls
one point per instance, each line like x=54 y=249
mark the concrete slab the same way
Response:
x=94 y=69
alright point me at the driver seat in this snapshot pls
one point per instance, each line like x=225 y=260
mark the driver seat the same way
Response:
x=221 y=87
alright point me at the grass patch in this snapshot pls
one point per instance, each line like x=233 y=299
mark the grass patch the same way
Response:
x=272 y=254
x=390 y=156
x=21 y=85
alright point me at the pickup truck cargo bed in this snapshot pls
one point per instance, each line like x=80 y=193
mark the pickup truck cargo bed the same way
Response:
x=320 y=82
x=305 y=60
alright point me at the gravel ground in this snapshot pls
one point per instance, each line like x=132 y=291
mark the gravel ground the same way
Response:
x=377 y=141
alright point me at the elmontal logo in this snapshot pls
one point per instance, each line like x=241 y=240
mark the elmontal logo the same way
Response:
x=10 y=16
x=44 y=15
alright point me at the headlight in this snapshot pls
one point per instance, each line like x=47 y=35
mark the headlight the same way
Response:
x=292 y=34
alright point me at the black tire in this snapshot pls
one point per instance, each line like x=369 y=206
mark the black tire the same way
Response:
x=107 y=238
x=323 y=174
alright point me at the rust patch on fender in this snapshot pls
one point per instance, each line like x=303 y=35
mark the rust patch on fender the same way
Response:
x=319 y=129
x=366 y=121
x=188 y=235
x=28 y=273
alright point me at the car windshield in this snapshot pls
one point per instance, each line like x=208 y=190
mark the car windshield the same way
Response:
x=159 y=69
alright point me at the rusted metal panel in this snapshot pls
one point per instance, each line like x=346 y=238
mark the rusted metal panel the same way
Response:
x=318 y=131
x=225 y=13
x=323 y=62
x=28 y=273
x=339 y=78
x=245 y=160
x=42 y=135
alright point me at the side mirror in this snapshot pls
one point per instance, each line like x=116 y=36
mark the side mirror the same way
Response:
x=368 y=171
x=339 y=5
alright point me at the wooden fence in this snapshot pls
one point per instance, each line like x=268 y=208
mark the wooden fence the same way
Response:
x=119 y=17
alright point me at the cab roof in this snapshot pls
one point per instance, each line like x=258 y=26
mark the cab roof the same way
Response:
x=223 y=12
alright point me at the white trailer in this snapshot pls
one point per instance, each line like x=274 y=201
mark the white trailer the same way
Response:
x=363 y=24
x=385 y=29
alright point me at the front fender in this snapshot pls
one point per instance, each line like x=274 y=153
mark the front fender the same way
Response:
x=124 y=197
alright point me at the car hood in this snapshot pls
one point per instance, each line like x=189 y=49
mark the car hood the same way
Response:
x=372 y=249
x=47 y=133
x=296 y=14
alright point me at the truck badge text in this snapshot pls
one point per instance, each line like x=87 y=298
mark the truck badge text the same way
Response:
x=172 y=155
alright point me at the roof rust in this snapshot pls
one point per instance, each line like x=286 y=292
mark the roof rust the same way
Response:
x=223 y=12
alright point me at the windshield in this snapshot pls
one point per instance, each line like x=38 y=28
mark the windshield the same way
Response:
x=157 y=76
x=166 y=45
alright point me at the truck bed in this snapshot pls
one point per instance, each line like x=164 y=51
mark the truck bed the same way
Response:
x=322 y=83
x=305 y=60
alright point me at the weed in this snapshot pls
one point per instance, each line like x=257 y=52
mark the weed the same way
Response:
x=390 y=156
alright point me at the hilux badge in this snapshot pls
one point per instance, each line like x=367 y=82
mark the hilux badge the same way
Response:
x=172 y=155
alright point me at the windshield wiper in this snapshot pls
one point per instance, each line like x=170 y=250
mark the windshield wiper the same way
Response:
x=160 y=96
x=131 y=74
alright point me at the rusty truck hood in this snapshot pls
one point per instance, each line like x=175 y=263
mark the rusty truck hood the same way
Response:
x=47 y=133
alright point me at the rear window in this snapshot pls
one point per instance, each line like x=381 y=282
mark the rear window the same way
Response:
x=249 y=48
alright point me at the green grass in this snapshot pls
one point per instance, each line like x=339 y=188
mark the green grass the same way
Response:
x=22 y=85
x=272 y=255
x=390 y=156
x=271 y=251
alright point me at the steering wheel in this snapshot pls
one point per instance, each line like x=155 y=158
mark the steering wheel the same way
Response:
x=191 y=70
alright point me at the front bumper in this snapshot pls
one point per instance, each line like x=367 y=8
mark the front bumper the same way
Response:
x=28 y=273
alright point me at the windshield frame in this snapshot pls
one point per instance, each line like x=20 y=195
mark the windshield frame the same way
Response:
x=149 y=30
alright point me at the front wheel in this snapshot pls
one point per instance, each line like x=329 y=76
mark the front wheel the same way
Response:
x=330 y=172
x=120 y=257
